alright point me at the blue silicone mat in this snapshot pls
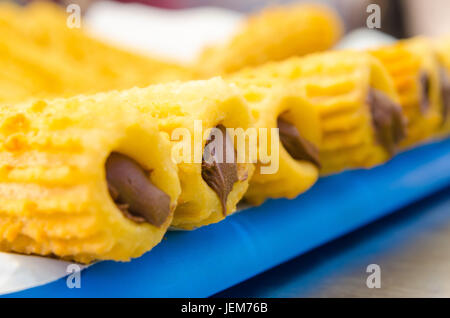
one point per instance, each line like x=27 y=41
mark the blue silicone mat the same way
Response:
x=211 y=259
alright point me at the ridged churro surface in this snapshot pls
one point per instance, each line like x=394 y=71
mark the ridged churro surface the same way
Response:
x=337 y=84
x=209 y=103
x=412 y=65
x=54 y=197
x=283 y=175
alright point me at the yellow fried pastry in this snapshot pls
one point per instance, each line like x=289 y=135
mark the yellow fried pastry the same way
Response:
x=85 y=178
x=44 y=73
x=442 y=49
x=210 y=190
x=359 y=118
x=28 y=67
x=413 y=67
x=294 y=159
x=275 y=34
x=12 y=91
x=46 y=24
x=46 y=58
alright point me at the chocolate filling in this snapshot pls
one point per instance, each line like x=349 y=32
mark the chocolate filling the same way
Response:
x=134 y=194
x=387 y=118
x=445 y=93
x=217 y=173
x=425 y=92
x=298 y=147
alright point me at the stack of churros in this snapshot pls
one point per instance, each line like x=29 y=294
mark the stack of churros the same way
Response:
x=413 y=67
x=356 y=108
x=104 y=174
x=93 y=177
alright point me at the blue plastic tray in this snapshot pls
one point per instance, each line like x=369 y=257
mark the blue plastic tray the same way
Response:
x=211 y=259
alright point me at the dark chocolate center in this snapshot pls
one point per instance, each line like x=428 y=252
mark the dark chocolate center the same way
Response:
x=425 y=92
x=298 y=147
x=387 y=119
x=134 y=194
x=217 y=173
x=445 y=93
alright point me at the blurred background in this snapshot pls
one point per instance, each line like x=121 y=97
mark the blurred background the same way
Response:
x=400 y=18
